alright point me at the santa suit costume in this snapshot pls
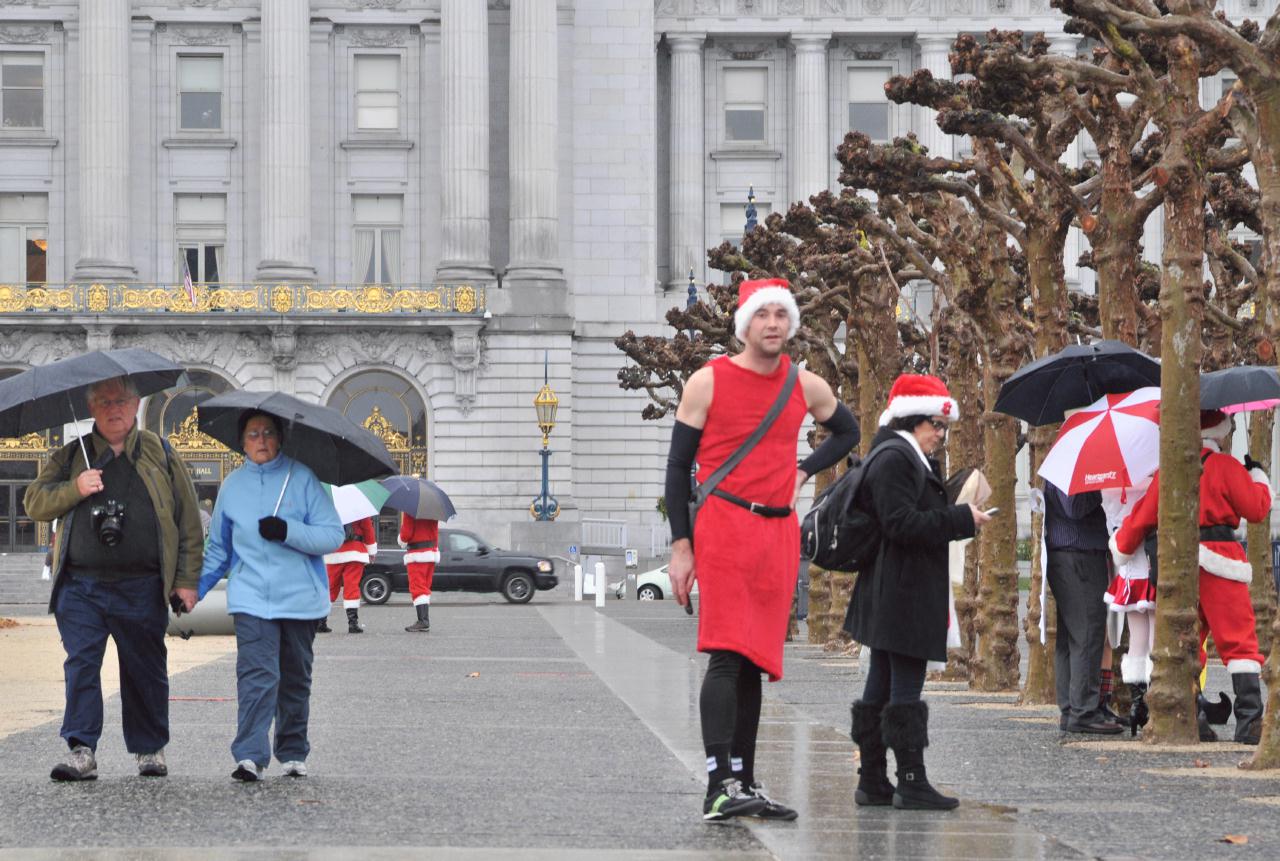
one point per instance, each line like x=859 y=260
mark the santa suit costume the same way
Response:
x=1229 y=493
x=420 y=540
x=346 y=566
x=1132 y=598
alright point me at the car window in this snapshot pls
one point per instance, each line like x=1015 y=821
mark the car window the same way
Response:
x=460 y=542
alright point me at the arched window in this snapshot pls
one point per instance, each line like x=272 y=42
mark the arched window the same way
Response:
x=172 y=414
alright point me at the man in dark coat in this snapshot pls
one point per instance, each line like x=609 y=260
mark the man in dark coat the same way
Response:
x=900 y=609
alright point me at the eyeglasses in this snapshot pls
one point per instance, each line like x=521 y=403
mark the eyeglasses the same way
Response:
x=261 y=434
x=113 y=403
x=939 y=426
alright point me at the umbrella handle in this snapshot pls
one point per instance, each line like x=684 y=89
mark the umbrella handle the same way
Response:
x=283 y=487
x=84 y=451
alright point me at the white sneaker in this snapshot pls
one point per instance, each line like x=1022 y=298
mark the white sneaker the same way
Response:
x=248 y=771
x=294 y=768
x=152 y=764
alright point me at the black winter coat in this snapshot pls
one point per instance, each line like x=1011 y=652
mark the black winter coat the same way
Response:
x=901 y=604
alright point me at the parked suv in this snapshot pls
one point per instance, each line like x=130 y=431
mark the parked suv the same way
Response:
x=467 y=564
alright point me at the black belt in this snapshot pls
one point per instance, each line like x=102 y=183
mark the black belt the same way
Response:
x=753 y=507
x=1220 y=532
x=423 y=545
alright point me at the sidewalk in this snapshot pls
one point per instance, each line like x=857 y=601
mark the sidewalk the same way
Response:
x=556 y=727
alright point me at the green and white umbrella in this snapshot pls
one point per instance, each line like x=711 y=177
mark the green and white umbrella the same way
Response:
x=357 y=501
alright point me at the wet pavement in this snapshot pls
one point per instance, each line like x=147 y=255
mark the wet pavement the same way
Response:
x=553 y=730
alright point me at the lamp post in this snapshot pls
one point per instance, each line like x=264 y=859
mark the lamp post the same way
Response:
x=545 y=506
x=752 y=224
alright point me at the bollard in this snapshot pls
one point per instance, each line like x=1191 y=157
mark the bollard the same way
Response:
x=600 y=587
x=577 y=582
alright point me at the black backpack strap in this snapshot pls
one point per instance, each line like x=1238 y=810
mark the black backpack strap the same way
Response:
x=708 y=487
x=898 y=444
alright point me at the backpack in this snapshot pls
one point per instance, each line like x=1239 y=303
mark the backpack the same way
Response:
x=837 y=534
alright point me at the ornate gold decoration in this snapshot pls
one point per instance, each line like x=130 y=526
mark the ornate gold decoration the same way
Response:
x=175 y=299
x=30 y=442
x=380 y=427
x=464 y=299
x=281 y=299
x=187 y=436
x=418 y=463
x=99 y=298
x=16 y=298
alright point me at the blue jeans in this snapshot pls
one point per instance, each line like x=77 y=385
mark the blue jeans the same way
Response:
x=273 y=681
x=133 y=613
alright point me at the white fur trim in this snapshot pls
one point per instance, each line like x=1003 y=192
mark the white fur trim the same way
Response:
x=404 y=545
x=373 y=549
x=1260 y=477
x=1218 y=432
x=422 y=599
x=422 y=556
x=1116 y=555
x=351 y=604
x=919 y=405
x=757 y=300
x=1227 y=569
x=346 y=556
x=1243 y=665
x=1135 y=669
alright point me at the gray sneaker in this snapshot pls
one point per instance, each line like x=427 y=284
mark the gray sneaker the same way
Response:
x=80 y=764
x=295 y=768
x=248 y=771
x=152 y=764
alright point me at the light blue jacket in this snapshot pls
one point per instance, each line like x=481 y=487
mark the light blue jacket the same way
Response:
x=272 y=579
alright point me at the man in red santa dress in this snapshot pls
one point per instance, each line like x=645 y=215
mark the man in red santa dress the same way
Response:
x=346 y=566
x=1229 y=493
x=420 y=539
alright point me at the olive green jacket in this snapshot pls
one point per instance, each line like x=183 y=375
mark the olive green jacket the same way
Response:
x=54 y=495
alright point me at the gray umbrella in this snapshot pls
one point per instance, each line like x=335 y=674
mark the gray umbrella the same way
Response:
x=418 y=498
x=1247 y=387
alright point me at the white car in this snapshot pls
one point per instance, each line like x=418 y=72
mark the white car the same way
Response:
x=651 y=585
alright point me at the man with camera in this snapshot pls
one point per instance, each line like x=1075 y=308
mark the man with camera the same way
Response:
x=129 y=540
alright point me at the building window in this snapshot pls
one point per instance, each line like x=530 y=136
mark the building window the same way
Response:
x=375 y=242
x=200 y=93
x=24 y=238
x=377 y=92
x=22 y=90
x=868 y=105
x=201 y=234
x=745 y=91
x=733 y=219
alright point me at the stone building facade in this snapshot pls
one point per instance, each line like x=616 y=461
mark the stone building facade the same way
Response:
x=403 y=207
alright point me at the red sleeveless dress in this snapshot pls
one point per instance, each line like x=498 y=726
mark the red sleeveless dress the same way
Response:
x=746 y=564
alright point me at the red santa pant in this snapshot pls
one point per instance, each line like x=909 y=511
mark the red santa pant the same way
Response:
x=420 y=574
x=1227 y=613
x=345 y=576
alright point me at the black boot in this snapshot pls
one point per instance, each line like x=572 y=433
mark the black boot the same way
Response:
x=423 y=623
x=1202 y=722
x=323 y=626
x=1139 y=714
x=874 y=788
x=353 y=621
x=1248 y=707
x=905 y=728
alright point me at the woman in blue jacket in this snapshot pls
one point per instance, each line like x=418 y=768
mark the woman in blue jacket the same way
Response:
x=271 y=527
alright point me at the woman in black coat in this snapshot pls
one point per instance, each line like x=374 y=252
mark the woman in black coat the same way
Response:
x=899 y=609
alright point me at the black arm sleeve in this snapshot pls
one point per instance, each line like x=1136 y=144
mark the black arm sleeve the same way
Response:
x=684 y=448
x=844 y=436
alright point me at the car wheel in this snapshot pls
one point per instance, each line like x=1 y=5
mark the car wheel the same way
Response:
x=375 y=589
x=649 y=592
x=518 y=588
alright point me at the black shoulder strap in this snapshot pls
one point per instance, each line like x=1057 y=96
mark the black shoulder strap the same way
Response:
x=705 y=489
x=898 y=443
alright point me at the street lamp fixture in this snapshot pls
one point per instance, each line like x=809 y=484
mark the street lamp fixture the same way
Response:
x=545 y=507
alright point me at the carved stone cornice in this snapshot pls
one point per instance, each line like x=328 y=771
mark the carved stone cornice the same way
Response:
x=465 y=351
x=284 y=344
x=375 y=4
x=200 y=348
x=871 y=50
x=746 y=50
x=377 y=37
x=38 y=347
x=191 y=35
x=25 y=35
x=369 y=347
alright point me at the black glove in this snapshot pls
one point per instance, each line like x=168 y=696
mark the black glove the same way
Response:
x=1250 y=463
x=273 y=528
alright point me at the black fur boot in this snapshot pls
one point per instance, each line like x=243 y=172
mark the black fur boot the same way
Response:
x=874 y=788
x=1139 y=714
x=323 y=626
x=353 y=621
x=1248 y=707
x=905 y=728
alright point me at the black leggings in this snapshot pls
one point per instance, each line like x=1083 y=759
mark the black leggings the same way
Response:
x=893 y=678
x=730 y=707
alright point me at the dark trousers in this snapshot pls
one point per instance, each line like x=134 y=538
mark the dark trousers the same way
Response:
x=132 y=612
x=273 y=681
x=1078 y=581
x=893 y=678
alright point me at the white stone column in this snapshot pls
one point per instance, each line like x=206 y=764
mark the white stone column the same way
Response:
x=534 y=126
x=934 y=48
x=464 y=141
x=812 y=152
x=286 y=142
x=687 y=232
x=104 y=142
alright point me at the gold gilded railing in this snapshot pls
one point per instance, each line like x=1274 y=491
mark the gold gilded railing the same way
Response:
x=292 y=299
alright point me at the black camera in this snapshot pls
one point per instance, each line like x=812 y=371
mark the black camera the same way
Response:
x=108 y=520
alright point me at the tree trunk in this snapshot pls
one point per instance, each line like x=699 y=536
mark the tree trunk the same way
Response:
x=1116 y=251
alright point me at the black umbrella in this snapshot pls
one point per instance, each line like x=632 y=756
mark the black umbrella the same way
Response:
x=1075 y=376
x=1248 y=387
x=336 y=449
x=54 y=394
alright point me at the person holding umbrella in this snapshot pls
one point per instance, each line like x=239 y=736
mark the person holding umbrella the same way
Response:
x=272 y=524
x=423 y=505
x=128 y=542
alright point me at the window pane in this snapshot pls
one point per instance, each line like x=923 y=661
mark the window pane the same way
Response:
x=200 y=73
x=866 y=83
x=744 y=125
x=377 y=208
x=16 y=75
x=207 y=208
x=745 y=85
x=23 y=109
x=37 y=255
x=210 y=265
x=377 y=110
x=872 y=119
x=378 y=73
x=202 y=110
x=192 y=256
x=11 y=265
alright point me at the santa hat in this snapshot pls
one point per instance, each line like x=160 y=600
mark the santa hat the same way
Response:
x=919 y=395
x=1214 y=425
x=754 y=295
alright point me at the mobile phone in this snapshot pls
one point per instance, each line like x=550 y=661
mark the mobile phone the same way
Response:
x=991 y=512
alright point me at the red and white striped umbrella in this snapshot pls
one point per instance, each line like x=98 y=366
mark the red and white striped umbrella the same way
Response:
x=1113 y=442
